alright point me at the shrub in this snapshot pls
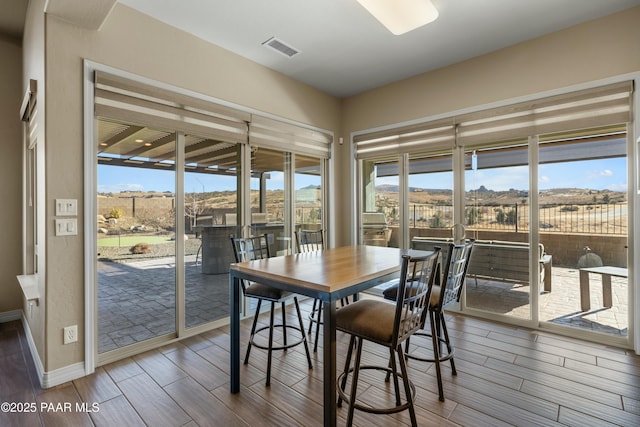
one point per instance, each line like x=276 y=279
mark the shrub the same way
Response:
x=116 y=213
x=473 y=216
x=508 y=217
x=140 y=248
x=437 y=221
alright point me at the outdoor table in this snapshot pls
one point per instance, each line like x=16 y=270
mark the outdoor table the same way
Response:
x=328 y=275
x=606 y=272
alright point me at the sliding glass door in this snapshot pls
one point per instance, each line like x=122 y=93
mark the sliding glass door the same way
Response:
x=497 y=215
x=541 y=186
x=309 y=193
x=143 y=291
x=136 y=245
x=584 y=226
x=381 y=206
x=210 y=188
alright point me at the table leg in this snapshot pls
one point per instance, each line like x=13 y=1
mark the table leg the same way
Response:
x=548 y=267
x=234 y=292
x=607 y=299
x=585 y=297
x=329 y=360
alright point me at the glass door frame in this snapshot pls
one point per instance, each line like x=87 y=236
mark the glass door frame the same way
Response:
x=534 y=238
x=90 y=227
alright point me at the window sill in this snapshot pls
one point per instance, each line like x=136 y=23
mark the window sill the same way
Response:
x=29 y=285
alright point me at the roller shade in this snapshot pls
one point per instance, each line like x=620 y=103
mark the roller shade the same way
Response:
x=134 y=102
x=590 y=108
x=408 y=139
x=281 y=136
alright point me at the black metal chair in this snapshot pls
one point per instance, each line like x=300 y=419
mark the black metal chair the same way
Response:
x=446 y=292
x=308 y=241
x=252 y=248
x=388 y=325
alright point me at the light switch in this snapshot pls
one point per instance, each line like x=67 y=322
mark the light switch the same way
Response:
x=66 y=227
x=66 y=207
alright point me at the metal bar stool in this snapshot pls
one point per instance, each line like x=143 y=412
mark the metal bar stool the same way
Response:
x=446 y=292
x=252 y=248
x=388 y=325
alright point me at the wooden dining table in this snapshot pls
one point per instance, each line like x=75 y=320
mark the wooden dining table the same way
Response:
x=328 y=275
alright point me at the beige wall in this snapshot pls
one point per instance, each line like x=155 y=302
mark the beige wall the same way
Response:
x=10 y=162
x=33 y=68
x=136 y=43
x=596 y=50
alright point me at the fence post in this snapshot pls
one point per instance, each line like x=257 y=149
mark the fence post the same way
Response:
x=516 y=217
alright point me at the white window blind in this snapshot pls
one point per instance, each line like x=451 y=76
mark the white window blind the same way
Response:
x=600 y=106
x=274 y=134
x=131 y=101
x=408 y=139
x=590 y=108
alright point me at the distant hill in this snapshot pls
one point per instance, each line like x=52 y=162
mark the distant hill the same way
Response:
x=556 y=196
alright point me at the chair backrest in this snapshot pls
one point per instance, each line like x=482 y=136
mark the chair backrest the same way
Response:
x=250 y=248
x=417 y=276
x=455 y=271
x=307 y=241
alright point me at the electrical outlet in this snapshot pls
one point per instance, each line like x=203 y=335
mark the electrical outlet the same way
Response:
x=70 y=334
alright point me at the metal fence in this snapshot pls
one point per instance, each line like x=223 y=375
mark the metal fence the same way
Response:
x=598 y=218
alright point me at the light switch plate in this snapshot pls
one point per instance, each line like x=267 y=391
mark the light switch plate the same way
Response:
x=66 y=227
x=66 y=207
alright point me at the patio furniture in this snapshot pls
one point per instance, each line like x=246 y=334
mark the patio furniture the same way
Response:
x=497 y=260
x=216 y=255
x=388 y=325
x=606 y=272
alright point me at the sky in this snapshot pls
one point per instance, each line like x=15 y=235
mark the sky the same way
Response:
x=601 y=174
x=114 y=179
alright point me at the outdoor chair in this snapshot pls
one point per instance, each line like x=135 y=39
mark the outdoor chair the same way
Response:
x=446 y=292
x=253 y=248
x=388 y=325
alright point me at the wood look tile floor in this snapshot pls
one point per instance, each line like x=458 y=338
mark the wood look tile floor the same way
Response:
x=506 y=376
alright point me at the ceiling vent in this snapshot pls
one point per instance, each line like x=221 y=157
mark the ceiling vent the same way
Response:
x=281 y=47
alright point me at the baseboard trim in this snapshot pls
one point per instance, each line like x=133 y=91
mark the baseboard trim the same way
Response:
x=35 y=356
x=63 y=375
x=47 y=379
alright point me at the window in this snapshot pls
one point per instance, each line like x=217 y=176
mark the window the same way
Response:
x=535 y=178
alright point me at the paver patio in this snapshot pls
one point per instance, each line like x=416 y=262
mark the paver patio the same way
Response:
x=137 y=300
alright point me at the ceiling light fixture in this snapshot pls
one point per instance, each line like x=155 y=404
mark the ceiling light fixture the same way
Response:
x=401 y=16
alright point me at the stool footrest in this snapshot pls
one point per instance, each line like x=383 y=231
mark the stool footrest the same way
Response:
x=282 y=347
x=372 y=410
x=443 y=357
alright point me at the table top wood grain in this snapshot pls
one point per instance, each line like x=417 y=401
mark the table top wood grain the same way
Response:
x=325 y=272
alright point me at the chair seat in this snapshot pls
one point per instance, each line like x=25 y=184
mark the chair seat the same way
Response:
x=387 y=324
x=269 y=293
x=367 y=318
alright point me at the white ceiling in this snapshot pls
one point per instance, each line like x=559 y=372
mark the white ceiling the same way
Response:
x=344 y=50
